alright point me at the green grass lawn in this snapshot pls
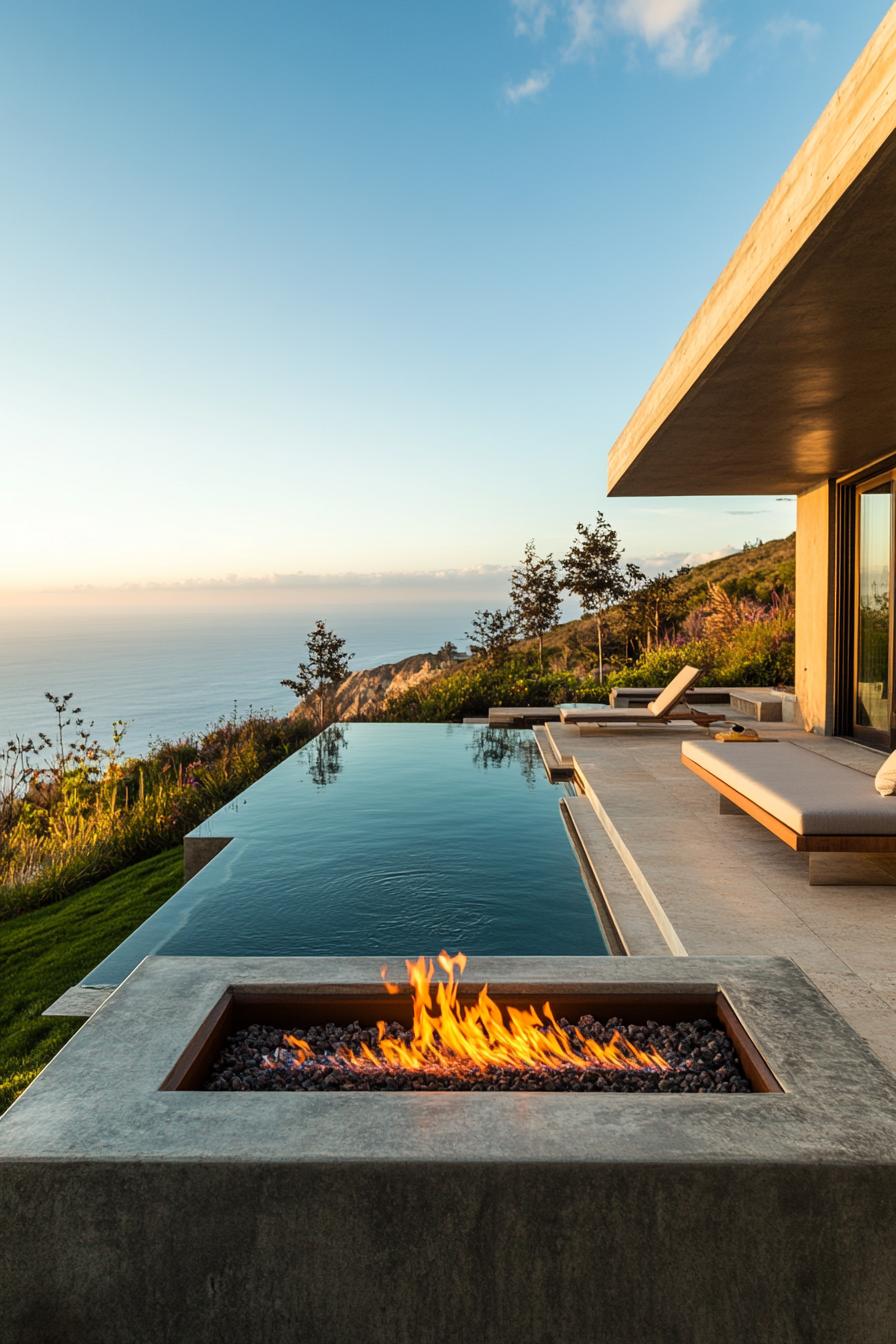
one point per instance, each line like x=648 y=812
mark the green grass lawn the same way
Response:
x=44 y=952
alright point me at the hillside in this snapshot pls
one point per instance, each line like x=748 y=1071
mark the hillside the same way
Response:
x=756 y=572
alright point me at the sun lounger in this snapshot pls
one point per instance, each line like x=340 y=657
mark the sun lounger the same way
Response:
x=814 y=804
x=659 y=711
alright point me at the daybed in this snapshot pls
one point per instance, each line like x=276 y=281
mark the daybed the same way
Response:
x=814 y=804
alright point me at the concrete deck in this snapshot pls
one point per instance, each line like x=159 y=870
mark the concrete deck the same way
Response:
x=728 y=887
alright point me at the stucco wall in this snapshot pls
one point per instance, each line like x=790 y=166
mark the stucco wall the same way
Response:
x=815 y=607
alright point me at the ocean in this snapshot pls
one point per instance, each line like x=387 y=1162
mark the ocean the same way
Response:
x=172 y=667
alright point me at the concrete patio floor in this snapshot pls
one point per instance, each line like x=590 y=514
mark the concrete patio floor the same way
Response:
x=723 y=883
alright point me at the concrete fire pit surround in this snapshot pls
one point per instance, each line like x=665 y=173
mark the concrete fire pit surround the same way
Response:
x=133 y=1214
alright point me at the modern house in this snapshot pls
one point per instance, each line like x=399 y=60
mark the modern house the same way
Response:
x=785 y=383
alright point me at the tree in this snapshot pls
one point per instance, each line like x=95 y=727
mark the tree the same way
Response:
x=448 y=652
x=492 y=634
x=325 y=755
x=535 y=594
x=663 y=603
x=654 y=604
x=326 y=667
x=592 y=570
x=632 y=609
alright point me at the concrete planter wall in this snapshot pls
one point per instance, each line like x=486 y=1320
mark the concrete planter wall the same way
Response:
x=128 y=1213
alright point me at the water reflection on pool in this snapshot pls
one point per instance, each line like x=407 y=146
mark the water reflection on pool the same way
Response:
x=386 y=840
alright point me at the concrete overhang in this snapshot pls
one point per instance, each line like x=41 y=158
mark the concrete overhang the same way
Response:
x=787 y=373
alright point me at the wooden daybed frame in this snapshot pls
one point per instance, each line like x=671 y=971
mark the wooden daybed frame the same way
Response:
x=831 y=844
x=874 y=848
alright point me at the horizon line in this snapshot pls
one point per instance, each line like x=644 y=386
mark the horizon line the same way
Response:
x=300 y=579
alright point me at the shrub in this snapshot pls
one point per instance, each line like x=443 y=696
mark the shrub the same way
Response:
x=475 y=687
x=758 y=655
x=657 y=666
x=755 y=653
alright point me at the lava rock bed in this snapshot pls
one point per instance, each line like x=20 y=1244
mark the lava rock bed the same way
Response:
x=700 y=1055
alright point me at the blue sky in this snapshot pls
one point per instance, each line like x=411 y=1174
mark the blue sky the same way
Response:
x=352 y=287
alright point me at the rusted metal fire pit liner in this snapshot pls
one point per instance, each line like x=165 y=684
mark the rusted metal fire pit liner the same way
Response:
x=243 y=1006
x=142 y=1215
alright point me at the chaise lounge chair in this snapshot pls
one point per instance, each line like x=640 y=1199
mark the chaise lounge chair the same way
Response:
x=661 y=710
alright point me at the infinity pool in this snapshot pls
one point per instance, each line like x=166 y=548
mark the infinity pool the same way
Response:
x=386 y=840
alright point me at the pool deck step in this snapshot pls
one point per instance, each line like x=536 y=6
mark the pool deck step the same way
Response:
x=522 y=716
x=554 y=767
x=761 y=705
x=632 y=922
x=564 y=744
x=79 y=1001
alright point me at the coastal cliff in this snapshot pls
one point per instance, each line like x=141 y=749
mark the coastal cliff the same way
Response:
x=363 y=693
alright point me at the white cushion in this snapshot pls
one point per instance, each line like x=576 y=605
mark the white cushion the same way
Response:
x=811 y=794
x=885 y=779
x=605 y=713
x=676 y=690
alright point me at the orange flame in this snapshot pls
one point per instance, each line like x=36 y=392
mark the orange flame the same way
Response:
x=449 y=1036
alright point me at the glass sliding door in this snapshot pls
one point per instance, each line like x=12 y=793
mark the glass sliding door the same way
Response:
x=873 y=712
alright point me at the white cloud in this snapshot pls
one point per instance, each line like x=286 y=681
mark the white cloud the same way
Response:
x=474 y=578
x=787 y=26
x=584 y=28
x=677 y=31
x=530 y=87
x=654 y=20
x=671 y=560
x=530 y=17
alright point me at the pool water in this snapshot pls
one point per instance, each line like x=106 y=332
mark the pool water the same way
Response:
x=389 y=840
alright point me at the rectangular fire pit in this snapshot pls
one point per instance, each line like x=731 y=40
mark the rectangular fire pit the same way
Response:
x=637 y=1040
x=137 y=1206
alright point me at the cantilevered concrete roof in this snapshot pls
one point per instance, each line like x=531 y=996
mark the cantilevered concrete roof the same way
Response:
x=787 y=373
